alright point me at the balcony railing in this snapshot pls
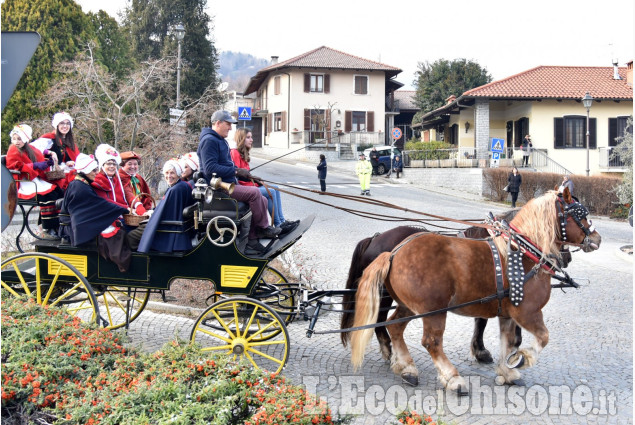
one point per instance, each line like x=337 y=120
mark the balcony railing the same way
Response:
x=392 y=106
x=610 y=159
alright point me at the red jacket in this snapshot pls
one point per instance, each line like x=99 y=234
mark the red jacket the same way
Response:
x=241 y=163
x=19 y=161
x=68 y=154
x=111 y=190
x=130 y=191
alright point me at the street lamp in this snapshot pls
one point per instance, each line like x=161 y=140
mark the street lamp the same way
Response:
x=179 y=32
x=587 y=100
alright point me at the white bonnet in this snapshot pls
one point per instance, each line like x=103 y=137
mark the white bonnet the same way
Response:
x=59 y=117
x=24 y=131
x=105 y=152
x=173 y=163
x=191 y=159
x=85 y=163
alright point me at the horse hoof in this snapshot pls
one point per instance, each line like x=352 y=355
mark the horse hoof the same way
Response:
x=518 y=382
x=462 y=391
x=517 y=363
x=410 y=379
x=484 y=357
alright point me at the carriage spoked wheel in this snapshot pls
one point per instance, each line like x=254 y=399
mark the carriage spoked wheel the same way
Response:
x=52 y=282
x=115 y=302
x=244 y=328
x=273 y=289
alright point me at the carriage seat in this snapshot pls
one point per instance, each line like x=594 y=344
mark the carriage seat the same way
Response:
x=221 y=205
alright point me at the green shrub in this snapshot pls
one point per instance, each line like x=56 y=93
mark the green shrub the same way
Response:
x=597 y=193
x=427 y=150
x=55 y=369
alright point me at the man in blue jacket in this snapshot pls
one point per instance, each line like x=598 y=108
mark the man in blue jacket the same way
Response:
x=214 y=157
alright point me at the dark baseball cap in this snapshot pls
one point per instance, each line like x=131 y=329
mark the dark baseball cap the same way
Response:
x=223 y=116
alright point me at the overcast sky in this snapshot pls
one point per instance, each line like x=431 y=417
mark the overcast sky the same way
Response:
x=504 y=36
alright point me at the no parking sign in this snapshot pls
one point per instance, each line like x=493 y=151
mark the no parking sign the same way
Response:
x=396 y=133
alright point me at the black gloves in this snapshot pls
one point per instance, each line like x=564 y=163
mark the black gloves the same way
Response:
x=243 y=174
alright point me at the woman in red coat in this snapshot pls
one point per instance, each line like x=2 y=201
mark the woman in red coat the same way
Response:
x=63 y=143
x=107 y=183
x=32 y=165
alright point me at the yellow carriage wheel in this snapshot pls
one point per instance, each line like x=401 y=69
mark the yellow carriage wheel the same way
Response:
x=244 y=328
x=115 y=302
x=273 y=289
x=52 y=282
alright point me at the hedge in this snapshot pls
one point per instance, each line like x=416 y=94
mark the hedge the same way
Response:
x=57 y=370
x=597 y=193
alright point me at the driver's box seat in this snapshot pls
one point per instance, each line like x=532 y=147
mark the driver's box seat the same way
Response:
x=221 y=205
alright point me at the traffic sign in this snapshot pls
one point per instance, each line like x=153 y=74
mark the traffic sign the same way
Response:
x=396 y=133
x=498 y=145
x=244 y=113
x=496 y=156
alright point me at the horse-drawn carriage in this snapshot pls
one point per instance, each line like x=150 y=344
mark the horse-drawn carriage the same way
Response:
x=254 y=302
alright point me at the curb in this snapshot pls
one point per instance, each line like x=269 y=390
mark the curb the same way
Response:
x=623 y=255
x=161 y=307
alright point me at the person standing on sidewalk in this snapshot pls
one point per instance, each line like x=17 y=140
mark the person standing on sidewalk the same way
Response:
x=322 y=172
x=363 y=169
x=513 y=185
x=374 y=160
x=526 y=147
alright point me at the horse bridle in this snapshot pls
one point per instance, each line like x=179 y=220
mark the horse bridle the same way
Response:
x=577 y=212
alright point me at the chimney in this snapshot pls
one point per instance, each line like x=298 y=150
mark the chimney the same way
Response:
x=629 y=73
x=616 y=71
x=450 y=99
x=274 y=60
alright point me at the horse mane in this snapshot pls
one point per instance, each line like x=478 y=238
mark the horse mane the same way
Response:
x=538 y=221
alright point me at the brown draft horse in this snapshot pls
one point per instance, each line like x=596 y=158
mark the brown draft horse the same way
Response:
x=368 y=249
x=431 y=272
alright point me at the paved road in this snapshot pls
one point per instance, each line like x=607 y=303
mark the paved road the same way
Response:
x=583 y=376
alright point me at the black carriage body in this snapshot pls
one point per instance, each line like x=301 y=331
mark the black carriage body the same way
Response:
x=226 y=268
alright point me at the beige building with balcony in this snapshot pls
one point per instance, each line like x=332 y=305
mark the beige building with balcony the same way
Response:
x=325 y=98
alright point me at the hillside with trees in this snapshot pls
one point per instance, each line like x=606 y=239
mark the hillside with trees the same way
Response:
x=237 y=68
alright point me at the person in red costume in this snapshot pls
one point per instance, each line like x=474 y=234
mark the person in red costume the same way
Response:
x=63 y=144
x=133 y=183
x=32 y=166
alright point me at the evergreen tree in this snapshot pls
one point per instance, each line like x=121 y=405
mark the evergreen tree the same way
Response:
x=436 y=82
x=149 y=24
x=113 y=50
x=62 y=26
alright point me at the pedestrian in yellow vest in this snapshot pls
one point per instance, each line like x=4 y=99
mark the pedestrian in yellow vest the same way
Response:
x=363 y=169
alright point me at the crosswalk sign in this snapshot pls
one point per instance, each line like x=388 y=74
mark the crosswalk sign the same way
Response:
x=498 y=145
x=244 y=113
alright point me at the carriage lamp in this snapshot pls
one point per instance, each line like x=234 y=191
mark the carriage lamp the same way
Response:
x=467 y=126
x=202 y=191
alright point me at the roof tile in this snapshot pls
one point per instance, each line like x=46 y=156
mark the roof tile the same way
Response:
x=559 y=82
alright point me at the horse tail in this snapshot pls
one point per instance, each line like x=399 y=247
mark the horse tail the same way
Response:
x=367 y=305
x=354 y=272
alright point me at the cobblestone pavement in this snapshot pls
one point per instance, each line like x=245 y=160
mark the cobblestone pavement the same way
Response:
x=584 y=375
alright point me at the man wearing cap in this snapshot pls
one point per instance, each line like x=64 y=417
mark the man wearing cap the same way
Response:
x=85 y=215
x=133 y=184
x=214 y=157
x=363 y=169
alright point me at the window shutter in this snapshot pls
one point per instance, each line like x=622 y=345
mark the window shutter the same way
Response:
x=269 y=123
x=307 y=83
x=612 y=131
x=276 y=85
x=284 y=121
x=592 y=134
x=307 y=119
x=558 y=133
x=370 y=121
x=327 y=83
x=348 y=121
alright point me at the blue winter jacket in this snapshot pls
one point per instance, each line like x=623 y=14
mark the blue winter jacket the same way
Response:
x=214 y=156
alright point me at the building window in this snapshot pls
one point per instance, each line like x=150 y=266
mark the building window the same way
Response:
x=570 y=132
x=317 y=83
x=616 y=129
x=276 y=85
x=277 y=121
x=359 y=121
x=361 y=84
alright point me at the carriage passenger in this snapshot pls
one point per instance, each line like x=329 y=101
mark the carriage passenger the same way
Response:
x=240 y=156
x=189 y=164
x=85 y=216
x=32 y=165
x=63 y=144
x=107 y=183
x=133 y=184
x=169 y=238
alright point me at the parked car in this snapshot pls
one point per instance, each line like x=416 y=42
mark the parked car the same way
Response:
x=384 y=157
